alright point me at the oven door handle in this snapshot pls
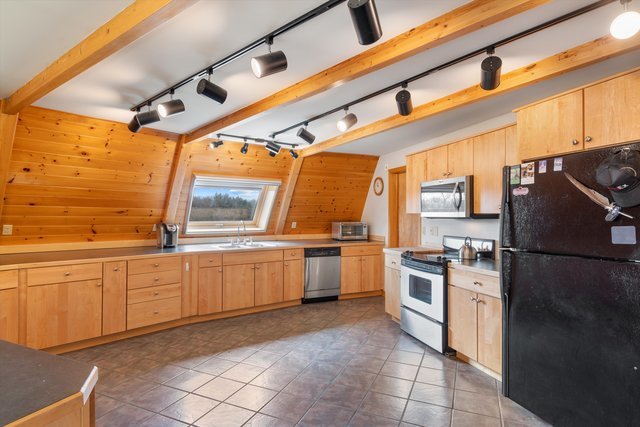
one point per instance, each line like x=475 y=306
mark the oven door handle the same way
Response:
x=457 y=190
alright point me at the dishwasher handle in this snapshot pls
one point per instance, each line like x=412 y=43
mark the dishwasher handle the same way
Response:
x=321 y=252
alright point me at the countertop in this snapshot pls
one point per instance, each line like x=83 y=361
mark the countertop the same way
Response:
x=43 y=259
x=490 y=267
x=31 y=380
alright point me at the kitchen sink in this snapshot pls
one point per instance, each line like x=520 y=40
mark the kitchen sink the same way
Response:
x=245 y=245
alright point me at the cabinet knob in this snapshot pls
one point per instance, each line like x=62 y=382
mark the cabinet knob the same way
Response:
x=156 y=265
x=155 y=279
x=473 y=299
x=210 y=260
x=116 y=269
x=393 y=262
x=475 y=282
x=588 y=139
x=479 y=301
x=99 y=285
x=219 y=270
x=257 y=267
x=66 y=273
x=286 y=264
x=575 y=142
x=156 y=293
x=156 y=312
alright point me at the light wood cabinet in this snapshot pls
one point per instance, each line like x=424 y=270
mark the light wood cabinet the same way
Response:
x=153 y=312
x=360 y=273
x=460 y=158
x=238 y=287
x=416 y=174
x=209 y=290
x=114 y=297
x=371 y=273
x=437 y=167
x=512 y=156
x=489 y=157
x=293 y=280
x=463 y=322
x=9 y=315
x=61 y=313
x=392 y=284
x=490 y=332
x=268 y=283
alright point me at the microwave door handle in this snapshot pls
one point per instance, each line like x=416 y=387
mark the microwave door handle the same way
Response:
x=457 y=190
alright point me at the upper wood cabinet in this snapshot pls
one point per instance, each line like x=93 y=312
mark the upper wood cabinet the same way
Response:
x=489 y=158
x=416 y=174
x=512 y=157
x=437 y=163
x=460 y=159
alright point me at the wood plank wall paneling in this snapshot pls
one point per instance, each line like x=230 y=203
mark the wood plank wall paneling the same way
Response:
x=80 y=179
x=330 y=187
x=227 y=161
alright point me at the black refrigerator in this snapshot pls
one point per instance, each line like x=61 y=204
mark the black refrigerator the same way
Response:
x=570 y=285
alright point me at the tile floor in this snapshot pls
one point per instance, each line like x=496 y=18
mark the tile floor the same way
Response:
x=329 y=364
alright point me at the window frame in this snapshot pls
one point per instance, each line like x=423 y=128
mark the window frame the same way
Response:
x=264 y=206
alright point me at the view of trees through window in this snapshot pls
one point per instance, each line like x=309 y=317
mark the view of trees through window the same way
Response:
x=224 y=204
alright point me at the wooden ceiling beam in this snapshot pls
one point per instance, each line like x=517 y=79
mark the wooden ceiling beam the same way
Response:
x=133 y=22
x=572 y=59
x=465 y=19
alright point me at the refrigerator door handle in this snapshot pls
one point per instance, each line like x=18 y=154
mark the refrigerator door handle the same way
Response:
x=505 y=211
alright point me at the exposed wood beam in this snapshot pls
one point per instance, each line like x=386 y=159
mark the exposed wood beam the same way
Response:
x=130 y=24
x=176 y=180
x=456 y=23
x=581 y=56
x=288 y=195
x=8 y=125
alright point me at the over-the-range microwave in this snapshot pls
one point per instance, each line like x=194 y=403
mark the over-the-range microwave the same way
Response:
x=447 y=198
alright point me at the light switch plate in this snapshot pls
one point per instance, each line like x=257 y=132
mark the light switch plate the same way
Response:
x=294 y=225
x=7 y=230
x=433 y=231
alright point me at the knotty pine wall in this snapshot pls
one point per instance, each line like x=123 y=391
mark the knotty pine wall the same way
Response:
x=330 y=187
x=80 y=179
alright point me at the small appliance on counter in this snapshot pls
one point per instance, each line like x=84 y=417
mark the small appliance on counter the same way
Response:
x=167 y=235
x=349 y=231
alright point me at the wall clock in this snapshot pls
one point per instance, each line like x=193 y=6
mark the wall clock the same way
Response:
x=378 y=186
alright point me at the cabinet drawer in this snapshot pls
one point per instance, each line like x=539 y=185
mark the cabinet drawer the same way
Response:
x=293 y=253
x=211 y=260
x=153 y=279
x=150 y=265
x=154 y=293
x=360 y=250
x=63 y=274
x=152 y=312
x=392 y=261
x=475 y=282
x=251 y=257
x=8 y=279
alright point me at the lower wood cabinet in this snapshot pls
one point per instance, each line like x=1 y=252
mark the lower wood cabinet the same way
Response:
x=268 y=283
x=360 y=274
x=154 y=311
x=238 y=288
x=114 y=297
x=209 y=290
x=293 y=280
x=61 y=313
x=463 y=322
x=9 y=315
x=392 y=292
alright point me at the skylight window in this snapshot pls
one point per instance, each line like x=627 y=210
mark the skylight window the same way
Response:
x=220 y=205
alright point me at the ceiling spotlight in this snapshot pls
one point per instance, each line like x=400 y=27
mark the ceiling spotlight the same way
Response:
x=490 y=71
x=365 y=20
x=347 y=121
x=172 y=107
x=270 y=63
x=215 y=144
x=403 y=100
x=143 y=119
x=272 y=148
x=211 y=90
x=305 y=135
x=627 y=24
x=293 y=153
x=245 y=148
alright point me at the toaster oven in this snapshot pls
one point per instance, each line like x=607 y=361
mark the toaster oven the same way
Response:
x=349 y=231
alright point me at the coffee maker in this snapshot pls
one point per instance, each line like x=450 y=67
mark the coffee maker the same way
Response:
x=167 y=235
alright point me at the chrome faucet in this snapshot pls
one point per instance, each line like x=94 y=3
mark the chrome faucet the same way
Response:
x=245 y=230
x=238 y=239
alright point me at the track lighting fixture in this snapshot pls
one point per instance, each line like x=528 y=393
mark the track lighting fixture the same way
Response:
x=211 y=90
x=142 y=119
x=347 y=121
x=272 y=148
x=172 y=107
x=215 y=144
x=403 y=100
x=305 y=135
x=490 y=71
x=245 y=148
x=270 y=63
x=293 y=153
x=627 y=24
x=365 y=20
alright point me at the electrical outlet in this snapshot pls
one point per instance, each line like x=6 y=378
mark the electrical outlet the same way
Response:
x=294 y=225
x=433 y=230
x=7 y=230
x=154 y=228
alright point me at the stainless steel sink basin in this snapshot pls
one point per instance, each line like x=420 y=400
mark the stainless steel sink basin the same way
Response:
x=245 y=245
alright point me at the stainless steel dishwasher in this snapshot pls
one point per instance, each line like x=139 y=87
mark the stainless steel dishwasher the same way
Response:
x=321 y=274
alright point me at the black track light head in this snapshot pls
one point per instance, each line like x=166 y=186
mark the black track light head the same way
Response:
x=216 y=144
x=305 y=135
x=272 y=148
x=365 y=20
x=403 y=101
x=142 y=119
x=211 y=91
x=490 y=71
x=293 y=153
x=245 y=148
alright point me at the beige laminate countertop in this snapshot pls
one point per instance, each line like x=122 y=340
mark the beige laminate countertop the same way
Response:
x=490 y=267
x=44 y=259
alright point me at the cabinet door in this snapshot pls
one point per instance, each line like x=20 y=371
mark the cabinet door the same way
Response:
x=392 y=292
x=611 y=111
x=371 y=273
x=350 y=274
x=512 y=157
x=463 y=331
x=460 y=159
x=269 y=283
x=238 y=286
x=490 y=332
x=437 y=167
x=64 y=312
x=114 y=297
x=489 y=157
x=293 y=279
x=209 y=290
x=9 y=315
x=551 y=127
x=416 y=174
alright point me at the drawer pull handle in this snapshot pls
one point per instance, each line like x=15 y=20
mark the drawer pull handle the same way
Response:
x=156 y=265
x=156 y=293
x=155 y=279
x=210 y=260
x=156 y=312
x=475 y=282
x=258 y=267
x=66 y=273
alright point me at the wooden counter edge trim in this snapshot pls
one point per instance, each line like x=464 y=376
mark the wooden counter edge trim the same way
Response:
x=478 y=270
x=52 y=413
